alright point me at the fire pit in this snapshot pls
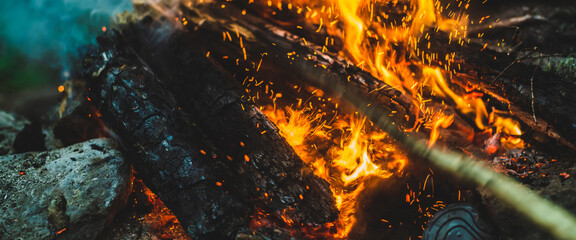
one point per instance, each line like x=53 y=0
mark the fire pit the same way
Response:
x=312 y=120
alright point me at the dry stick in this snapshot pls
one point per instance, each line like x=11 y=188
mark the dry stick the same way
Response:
x=532 y=89
x=544 y=213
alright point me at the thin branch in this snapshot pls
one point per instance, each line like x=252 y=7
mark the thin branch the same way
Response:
x=532 y=88
x=512 y=63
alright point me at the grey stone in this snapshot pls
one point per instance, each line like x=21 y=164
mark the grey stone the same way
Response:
x=10 y=125
x=79 y=188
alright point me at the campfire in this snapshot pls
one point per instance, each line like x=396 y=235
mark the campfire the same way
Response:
x=295 y=119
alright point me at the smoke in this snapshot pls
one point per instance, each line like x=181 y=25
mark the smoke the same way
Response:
x=52 y=31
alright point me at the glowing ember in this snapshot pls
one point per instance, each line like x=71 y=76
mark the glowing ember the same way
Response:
x=159 y=219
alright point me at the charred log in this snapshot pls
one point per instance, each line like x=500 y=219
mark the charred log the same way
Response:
x=166 y=147
x=251 y=142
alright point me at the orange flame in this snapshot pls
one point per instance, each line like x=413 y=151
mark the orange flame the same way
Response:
x=297 y=127
x=353 y=160
x=350 y=164
x=438 y=120
x=372 y=45
x=390 y=51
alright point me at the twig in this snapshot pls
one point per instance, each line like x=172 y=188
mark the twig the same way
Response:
x=507 y=23
x=532 y=88
x=510 y=65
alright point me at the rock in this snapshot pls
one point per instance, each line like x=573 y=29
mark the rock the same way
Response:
x=69 y=193
x=10 y=126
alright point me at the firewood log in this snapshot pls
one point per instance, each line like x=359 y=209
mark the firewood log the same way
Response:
x=250 y=141
x=166 y=148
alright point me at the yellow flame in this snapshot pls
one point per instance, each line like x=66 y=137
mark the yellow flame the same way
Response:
x=377 y=54
x=297 y=127
x=346 y=204
x=476 y=106
x=439 y=120
x=353 y=159
x=512 y=129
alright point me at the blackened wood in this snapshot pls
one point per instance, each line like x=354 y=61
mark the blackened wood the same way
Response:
x=166 y=147
x=275 y=174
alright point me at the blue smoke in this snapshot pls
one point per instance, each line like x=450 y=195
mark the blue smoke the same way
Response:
x=52 y=31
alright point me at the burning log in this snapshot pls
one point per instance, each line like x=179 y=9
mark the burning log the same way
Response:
x=252 y=38
x=180 y=163
x=513 y=81
x=544 y=213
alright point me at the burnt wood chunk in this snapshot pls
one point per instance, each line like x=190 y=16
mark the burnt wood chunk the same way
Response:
x=276 y=175
x=166 y=148
x=197 y=142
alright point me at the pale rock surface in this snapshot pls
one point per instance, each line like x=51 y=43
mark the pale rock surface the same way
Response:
x=79 y=188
